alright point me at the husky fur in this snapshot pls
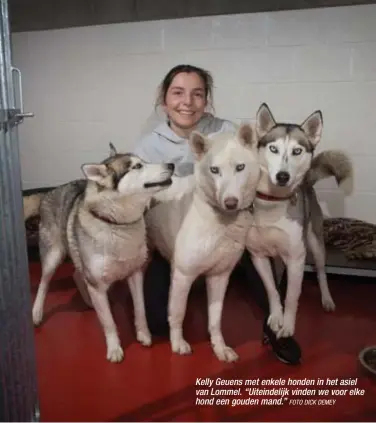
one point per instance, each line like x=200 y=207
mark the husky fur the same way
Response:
x=31 y=204
x=202 y=229
x=99 y=222
x=287 y=215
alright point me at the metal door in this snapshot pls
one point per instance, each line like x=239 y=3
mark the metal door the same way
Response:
x=18 y=382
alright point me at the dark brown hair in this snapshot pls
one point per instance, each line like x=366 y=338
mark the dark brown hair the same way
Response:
x=205 y=75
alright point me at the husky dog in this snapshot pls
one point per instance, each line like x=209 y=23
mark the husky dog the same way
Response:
x=287 y=215
x=203 y=230
x=99 y=222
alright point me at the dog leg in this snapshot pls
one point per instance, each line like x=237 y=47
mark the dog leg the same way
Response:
x=50 y=261
x=101 y=305
x=318 y=252
x=216 y=287
x=82 y=288
x=264 y=269
x=295 y=273
x=180 y=287
x=135 y=283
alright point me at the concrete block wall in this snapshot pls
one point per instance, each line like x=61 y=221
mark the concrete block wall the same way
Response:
x=91 y=85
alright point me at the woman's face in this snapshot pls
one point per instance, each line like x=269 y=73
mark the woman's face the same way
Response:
x=185 y=102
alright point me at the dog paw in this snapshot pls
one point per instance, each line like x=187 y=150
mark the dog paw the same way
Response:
x=275 y=320
x=328 y=303
x=225 y=353
x=115 y=354
x=144 y=337
x=181 y=347
x=37 y=316
x=288 y=327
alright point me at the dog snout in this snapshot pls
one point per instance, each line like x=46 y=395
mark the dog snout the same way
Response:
x=282 y=178
x=170 y=166
x=231 y=203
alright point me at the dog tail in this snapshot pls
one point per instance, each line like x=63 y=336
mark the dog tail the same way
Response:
x=332 y=163
x=31 y=205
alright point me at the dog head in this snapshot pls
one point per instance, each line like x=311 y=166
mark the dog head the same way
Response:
x=128 y=174
x=226 y=168
x=286 y=149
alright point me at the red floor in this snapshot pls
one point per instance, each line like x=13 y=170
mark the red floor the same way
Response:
x=76 y=383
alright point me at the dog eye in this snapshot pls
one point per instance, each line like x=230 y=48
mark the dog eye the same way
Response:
x=137 y=166
x=214 y=170
x=297 y=151
x=273 y=149
x=240 y=167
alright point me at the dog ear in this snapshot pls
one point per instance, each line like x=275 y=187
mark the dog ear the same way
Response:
x=199 y=144
x=264 y=120
x=312 y=126
x=94 y=172
x=113 y=150
x=247 y=135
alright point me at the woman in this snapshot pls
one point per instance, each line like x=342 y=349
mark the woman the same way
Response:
x=184 y=95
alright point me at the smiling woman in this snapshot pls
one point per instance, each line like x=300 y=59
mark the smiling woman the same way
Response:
x=185 y=95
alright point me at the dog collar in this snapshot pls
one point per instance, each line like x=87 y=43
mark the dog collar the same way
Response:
x=268 y=197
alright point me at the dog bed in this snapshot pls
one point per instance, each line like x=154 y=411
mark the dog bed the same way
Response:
x=355 y=238
x=350 y=247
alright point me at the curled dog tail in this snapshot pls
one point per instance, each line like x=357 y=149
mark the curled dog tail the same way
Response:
x=31 y=205
x=332 y=163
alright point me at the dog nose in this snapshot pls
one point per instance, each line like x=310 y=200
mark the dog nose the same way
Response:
x=171 y=166
x=231 y=203
x=282 y=177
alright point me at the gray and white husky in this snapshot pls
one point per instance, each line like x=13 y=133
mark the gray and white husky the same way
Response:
x=202 y=227
x=99 y=223
x=287 y=215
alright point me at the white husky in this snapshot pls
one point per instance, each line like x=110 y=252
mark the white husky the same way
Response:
x=203 y=231
x=286 y=211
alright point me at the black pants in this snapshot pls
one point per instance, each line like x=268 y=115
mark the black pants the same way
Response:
x=157 y=285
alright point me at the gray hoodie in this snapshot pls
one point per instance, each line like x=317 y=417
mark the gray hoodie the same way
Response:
x=163 y=145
